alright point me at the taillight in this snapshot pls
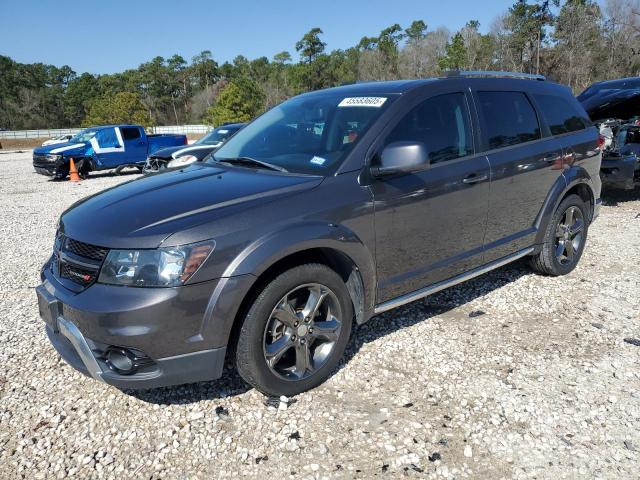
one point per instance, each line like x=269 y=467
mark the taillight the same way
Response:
x=601 y=141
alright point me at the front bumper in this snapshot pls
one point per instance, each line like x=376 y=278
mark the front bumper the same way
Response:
x=46 y=167
x=164 y=324
x=620 y=172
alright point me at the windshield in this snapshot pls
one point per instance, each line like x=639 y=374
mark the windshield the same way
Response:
x=309 y=134
x=216 y=136
x=83 y=136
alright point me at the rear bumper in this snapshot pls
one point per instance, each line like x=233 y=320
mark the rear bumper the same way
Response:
x=620 y=172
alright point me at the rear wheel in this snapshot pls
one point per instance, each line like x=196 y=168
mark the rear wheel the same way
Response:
x=296 y=331
x=564 y=239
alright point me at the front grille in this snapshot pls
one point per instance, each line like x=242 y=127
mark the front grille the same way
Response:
x=76 y=261
x=41 y=160
x=85 y=250
x=77 y=274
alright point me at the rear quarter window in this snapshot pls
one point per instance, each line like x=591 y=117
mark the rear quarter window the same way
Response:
x=561 y=115
x=509 y=119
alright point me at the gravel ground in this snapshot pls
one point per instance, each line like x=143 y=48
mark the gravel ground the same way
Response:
x=512 y=375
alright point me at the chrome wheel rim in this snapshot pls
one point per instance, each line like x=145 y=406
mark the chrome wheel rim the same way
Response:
x=569 y=235
x=302 y=331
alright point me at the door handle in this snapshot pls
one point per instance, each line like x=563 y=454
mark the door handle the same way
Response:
x=475 y=178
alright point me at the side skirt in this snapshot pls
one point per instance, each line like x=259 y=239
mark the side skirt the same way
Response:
x=424 y=292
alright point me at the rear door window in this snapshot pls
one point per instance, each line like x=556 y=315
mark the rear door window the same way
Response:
x=560 y=114
x=442 y=124
x=509 y=119
x=130 y=133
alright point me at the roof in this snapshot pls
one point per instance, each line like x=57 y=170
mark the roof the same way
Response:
x=403 y=86
x=386 y=87
x=100 y=127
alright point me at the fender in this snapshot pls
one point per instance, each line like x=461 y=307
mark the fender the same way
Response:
x=571 y=177
x=243 y=272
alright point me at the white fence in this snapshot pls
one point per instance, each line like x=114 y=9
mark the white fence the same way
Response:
x=55 y=132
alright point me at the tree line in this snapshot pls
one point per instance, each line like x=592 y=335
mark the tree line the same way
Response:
x=575 y=42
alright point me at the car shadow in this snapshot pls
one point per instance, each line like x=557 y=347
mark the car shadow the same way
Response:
x=230 y=384
x=612 y=197
x=437 y=304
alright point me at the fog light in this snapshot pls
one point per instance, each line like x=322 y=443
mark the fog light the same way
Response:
x=124 y=361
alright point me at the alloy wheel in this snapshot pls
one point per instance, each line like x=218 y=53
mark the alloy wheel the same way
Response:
x=302 y=331
x=569 y=235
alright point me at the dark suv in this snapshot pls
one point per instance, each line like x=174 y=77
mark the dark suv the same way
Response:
x=328 y=209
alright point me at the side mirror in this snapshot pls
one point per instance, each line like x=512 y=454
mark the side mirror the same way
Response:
x=402 y=157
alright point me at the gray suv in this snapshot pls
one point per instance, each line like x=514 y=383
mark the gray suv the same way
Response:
x=330 y=208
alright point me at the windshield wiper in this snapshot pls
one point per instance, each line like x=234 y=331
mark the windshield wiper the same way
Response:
x=253 y=161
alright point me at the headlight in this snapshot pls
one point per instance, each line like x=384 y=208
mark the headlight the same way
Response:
x=182 y=161
x=163 y=267
x=52 y=157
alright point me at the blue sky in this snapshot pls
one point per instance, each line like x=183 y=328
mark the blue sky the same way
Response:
x=111 y=36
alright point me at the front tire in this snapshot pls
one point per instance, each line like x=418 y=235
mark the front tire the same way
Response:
x=295 y=332
x=564 y=239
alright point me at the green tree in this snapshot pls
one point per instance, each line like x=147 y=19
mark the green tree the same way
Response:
x=78 y=95
x=311 y=46
x=282 y=57
x=240 y=101
x=456 y=56
x=205 y=69
x=123 y=107
x=417 y=31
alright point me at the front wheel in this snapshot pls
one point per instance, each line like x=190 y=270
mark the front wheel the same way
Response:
x=564 y=239
x=296 y=331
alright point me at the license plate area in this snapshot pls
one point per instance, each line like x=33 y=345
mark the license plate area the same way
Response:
x=50 y=307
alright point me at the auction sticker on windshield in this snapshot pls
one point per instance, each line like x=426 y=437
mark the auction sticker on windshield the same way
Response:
x=376 y=102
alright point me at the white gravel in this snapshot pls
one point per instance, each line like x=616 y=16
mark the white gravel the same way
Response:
x=537 y=383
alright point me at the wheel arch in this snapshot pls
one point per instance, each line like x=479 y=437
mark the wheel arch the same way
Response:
x=328 y=244
x=573 y=181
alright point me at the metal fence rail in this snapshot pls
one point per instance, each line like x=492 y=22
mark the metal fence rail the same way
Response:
x=55 y=132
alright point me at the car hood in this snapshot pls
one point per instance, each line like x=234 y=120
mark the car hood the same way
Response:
x=605 y=104
x=65 y=148
x=199 y=151
x=144 y=212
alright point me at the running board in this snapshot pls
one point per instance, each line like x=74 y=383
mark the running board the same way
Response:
x=424 y=292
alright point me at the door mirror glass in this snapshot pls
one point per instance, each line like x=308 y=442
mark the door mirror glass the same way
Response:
x=402 y=157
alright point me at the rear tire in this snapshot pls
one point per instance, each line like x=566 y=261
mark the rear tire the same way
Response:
x=564 y=239
x=295 y=332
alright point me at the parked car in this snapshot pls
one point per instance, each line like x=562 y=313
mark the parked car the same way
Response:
x=175 y=157
x=614 y=106
x=102 y=148
x=332 y=207
x=59 y=139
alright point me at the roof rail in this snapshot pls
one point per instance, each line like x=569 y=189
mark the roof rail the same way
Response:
x=488 y=73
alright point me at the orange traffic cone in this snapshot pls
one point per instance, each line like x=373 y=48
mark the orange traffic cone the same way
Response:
x=73 y=172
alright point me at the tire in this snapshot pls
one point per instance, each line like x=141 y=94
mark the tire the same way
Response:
x=563 y=247
x=62 y=174
x=84 y=169
x=271 y=330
